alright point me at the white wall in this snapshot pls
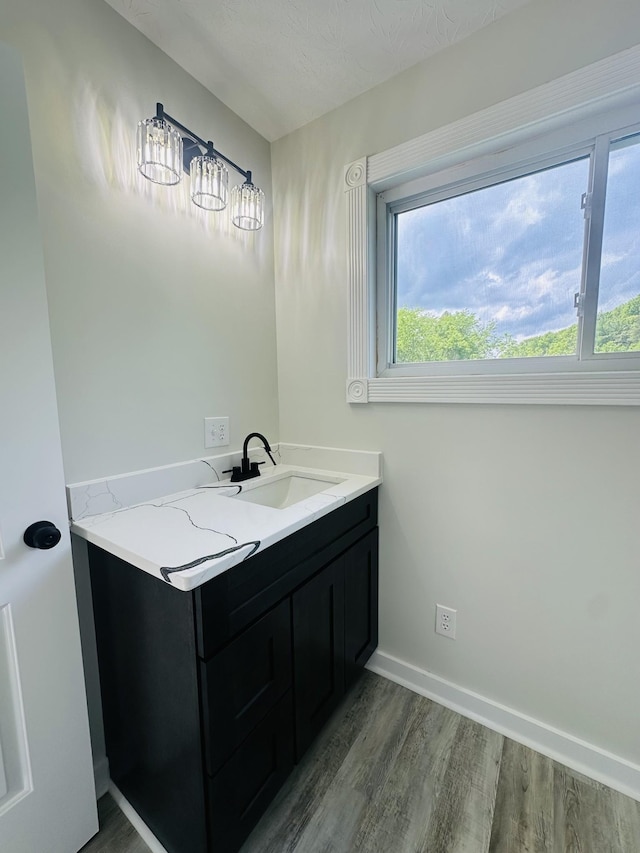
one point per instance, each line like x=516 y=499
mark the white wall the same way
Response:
x=524 y=518
x=156 y=319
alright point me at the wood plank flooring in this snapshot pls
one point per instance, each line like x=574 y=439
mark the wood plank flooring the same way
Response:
x=396 y=773
x=116 y=833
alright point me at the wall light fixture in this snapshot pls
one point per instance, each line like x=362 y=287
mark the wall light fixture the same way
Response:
x=165 y=148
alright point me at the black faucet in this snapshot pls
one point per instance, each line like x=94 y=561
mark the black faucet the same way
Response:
x=247 y=470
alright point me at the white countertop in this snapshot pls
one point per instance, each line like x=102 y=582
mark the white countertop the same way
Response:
x=189 y=537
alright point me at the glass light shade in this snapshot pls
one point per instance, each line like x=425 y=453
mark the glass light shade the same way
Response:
x=209 y=182
x=159 y=151
x=247 y=207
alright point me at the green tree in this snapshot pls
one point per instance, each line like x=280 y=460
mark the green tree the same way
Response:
x=452 y=336
x=563 y=342
x=619 y=330
x=460 y=335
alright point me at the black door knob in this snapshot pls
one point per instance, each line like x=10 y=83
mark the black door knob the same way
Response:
x=42 y=534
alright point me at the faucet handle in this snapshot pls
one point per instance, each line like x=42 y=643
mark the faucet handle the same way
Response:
x=236 y=473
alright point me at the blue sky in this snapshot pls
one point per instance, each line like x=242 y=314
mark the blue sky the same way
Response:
x=512 y=253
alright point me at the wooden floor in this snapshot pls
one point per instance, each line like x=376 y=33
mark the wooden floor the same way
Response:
x=116 y=833
x=396 y=773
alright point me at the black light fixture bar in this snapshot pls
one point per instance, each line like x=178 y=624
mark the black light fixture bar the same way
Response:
x=166 y=148
x=210 y=150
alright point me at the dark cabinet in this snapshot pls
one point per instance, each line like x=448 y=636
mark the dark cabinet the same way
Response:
x=360 y=604
x=242 y=790
x=318 y=642
x=244 y=681
x=210 y=696
x=335 y=631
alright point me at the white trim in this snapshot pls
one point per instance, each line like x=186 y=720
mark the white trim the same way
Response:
x=585 y=758
x=604 y=388
x=136 y=821
x=358 y=306
x=3 y=778
x=16 y=764
x=612 y=82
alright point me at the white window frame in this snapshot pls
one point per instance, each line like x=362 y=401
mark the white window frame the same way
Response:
x=563 y=117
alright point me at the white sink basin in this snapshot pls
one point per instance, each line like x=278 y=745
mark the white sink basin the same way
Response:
x=285 y=491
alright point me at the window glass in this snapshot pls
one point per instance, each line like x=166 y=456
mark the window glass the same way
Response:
x=492 y=273
x=618 y=320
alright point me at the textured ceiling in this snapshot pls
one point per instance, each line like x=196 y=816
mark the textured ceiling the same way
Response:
x=281 y=63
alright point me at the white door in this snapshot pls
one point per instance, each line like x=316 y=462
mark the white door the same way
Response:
x=47 y=798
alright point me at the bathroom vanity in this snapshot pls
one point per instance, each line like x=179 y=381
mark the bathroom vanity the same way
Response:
x=212 y=694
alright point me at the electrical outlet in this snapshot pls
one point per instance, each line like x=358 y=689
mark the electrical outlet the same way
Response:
x=216 y=432
x=446 y=621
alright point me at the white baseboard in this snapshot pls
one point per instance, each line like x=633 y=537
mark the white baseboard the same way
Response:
x=577 y=754
x=138 y=824
x=101 y=775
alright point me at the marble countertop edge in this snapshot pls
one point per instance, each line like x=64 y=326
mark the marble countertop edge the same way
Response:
x=210 y=529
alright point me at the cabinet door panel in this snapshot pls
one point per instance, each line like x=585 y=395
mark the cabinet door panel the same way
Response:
x=245 y=786
x=318 y=641
x=229 y=602
x=243 y=682
x=361 y=604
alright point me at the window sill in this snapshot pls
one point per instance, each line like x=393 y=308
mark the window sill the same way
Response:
x=602 y=388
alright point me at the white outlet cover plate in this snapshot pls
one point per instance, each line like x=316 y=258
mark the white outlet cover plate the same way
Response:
x=216 y=432
x=446 y=621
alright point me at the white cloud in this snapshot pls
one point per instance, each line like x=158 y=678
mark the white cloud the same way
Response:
x=545 y=283
x=620 y=161
x=526 y=207
x=510 y=314
x=610 y=258
x=493 y=278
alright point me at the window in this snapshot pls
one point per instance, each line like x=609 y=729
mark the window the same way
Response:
x=530 y=267
x=497 y=259
x=617 y=327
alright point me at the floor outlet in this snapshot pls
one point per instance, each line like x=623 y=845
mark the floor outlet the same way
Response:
x=216 y=432
x=446 y=621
